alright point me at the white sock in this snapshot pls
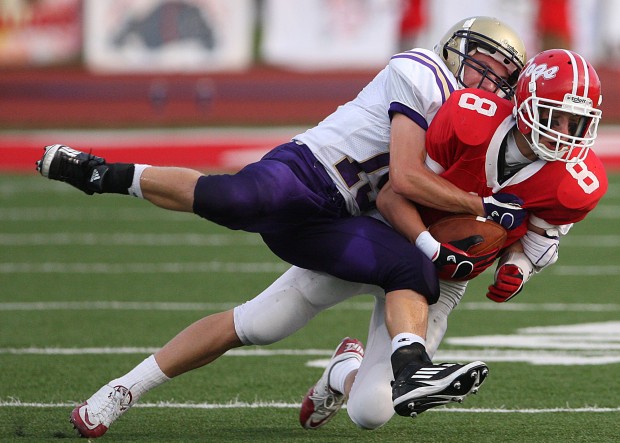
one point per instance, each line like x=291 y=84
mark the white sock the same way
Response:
x=406 y=338
x=144 y=377
x=135 y=188
x=339 y=373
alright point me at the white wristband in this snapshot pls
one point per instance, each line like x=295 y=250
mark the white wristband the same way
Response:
x=520 y=260
x=428 y=245
x=135 y=188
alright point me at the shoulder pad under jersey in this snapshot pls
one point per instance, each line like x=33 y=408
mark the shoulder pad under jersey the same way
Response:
x=476 y=114
x=583 y=184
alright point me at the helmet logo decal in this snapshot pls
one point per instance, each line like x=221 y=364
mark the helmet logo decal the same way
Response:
x=506 y=44
x=578 y=100
x=536 y=71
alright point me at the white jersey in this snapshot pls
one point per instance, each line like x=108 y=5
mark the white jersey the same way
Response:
x=353 y=142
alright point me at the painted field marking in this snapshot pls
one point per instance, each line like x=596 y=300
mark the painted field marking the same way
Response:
x=347 y=305
x=97 y=214
x=565 y=345
x=133 y=239
x=234 y=404
x=201 y=240
x=143 y=268
x=228 y=267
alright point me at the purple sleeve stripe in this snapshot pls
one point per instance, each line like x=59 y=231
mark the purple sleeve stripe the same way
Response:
x=402 y=109
x=444 y=85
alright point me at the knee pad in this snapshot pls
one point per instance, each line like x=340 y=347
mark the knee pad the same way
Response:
x=371 y=411
x=370 y=400
x=289 y=303
x=272 y=316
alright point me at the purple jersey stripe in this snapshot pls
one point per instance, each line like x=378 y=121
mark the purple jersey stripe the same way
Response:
x=402 y=109
x=443 y=83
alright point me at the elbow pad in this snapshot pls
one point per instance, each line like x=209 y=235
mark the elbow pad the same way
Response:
x=541 y=250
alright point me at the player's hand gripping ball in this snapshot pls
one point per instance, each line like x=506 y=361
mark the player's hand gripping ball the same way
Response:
x=469 y=245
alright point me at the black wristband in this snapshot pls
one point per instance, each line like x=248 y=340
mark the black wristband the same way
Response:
x=118 y=178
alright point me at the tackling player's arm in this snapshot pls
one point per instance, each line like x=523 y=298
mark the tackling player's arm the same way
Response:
x=400 y=212
x=451 y=259
x=416 y=91
x=411 y=178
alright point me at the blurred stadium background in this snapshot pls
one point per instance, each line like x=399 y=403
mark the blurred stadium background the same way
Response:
x=214 y=84
x=181 y=70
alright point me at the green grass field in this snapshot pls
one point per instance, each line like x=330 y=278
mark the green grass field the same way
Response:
x=89 y=286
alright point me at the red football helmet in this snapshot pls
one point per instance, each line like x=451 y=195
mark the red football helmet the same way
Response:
x=558 y=81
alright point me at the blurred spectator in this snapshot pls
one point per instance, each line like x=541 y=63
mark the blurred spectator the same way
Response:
x=553 y=24
x=301 y=34
x=442 y=14
x=39 y=32
x=589 y=27
x=412 y=22
x=315 y=35
x=611 y=30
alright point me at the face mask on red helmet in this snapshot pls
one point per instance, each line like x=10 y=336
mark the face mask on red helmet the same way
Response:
x=557 y=99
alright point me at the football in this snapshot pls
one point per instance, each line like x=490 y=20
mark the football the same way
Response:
x=460 y=226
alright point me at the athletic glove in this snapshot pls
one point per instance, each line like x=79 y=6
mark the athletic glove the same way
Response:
x=509 y=281
x=504 y=209
x=454 y=263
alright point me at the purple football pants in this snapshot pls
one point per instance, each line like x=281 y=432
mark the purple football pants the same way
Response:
x=289 y=199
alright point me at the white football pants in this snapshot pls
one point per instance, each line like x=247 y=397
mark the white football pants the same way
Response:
x=299 y=294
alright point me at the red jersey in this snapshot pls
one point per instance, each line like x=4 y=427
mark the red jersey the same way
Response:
x=464 y=145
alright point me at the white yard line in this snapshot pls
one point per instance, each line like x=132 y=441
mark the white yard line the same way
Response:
x=15 y=403
x=225 y=267
x=350 y=305
x=199 y=239
x=253 y=352
x=553 y=355
x=73 y=213
x=142 y=268
x=135 y=239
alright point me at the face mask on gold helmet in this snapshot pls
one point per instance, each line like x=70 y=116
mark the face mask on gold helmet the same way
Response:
x=489 y=36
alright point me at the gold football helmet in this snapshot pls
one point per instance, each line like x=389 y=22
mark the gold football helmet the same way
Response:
x=489 y=36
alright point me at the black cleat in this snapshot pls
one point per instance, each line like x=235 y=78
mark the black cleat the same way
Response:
x=418 y=388
x=79 y=169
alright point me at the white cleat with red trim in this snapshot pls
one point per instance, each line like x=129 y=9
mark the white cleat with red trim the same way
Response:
x=321 y=402
x=93 y=418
